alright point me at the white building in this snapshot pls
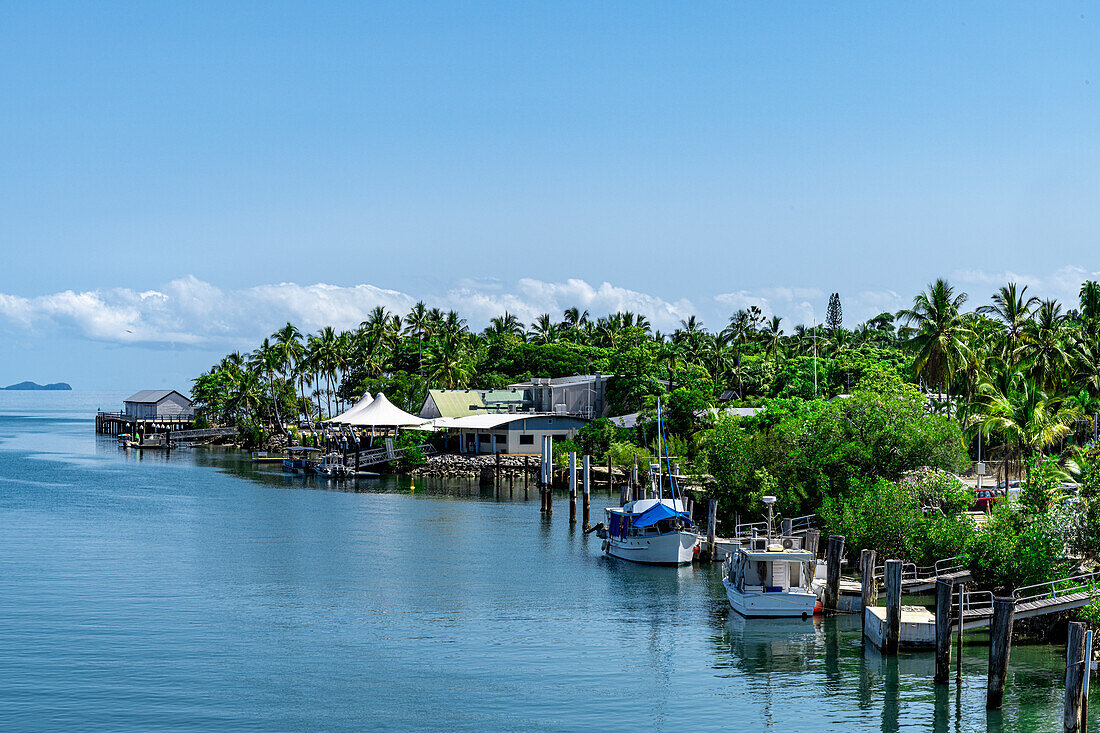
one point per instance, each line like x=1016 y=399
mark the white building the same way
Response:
x=509 y=433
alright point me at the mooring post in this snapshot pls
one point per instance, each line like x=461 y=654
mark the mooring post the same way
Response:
x=867 y=585
x=572 y=487
x=610 y=477
x=623 y=488
x=959 y=637
x=832 y=578
x=944 y=592
x=496 y=475
x=786 y=528
x=1000 y=643
x=1078 y=656
x=712 y=527
x=586 y=482
x=633 y=474
x=893 y=607
x=550 y=461
x=809 y=544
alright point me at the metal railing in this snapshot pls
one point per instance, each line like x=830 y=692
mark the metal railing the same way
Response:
x=1089 y=582
x=912 y=571
x=972 y=600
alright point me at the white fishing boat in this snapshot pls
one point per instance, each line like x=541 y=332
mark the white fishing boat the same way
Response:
x=654 y=531
x=770 y=576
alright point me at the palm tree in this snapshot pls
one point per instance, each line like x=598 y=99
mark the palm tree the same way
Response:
x=1048 y=345
x=1090 y=301
x=418 y=323
x=938 y=333
x=505 y=325
x=1013 y=310
x=288 y=343
x=446 y=362
x=543 y=330
x=773 y=339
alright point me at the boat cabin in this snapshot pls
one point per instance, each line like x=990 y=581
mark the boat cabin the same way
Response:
x=771 y=565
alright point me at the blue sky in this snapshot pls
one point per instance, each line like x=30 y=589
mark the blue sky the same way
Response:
x=179 y=179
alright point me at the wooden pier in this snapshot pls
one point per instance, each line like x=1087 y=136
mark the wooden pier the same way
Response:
x=119 y=423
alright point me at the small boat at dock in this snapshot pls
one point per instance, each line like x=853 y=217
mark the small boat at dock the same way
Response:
x=297 y=458
x=770 y=576
x=653 y=531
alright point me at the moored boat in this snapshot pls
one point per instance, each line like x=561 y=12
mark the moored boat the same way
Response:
x=653 y=531
x=770 y=576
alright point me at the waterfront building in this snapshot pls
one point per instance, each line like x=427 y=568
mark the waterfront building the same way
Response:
x=509 y=433
x=153 y=404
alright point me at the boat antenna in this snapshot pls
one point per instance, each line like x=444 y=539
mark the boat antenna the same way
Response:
x=769 y=500
x=668 y=459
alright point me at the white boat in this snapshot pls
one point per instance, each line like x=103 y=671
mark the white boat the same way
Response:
x=770 y=577
x=651 y=531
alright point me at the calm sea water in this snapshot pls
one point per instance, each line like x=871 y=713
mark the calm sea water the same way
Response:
x=193 y=591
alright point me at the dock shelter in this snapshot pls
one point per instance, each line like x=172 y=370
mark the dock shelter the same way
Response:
x=382 y=414
x=345 y=417
x=509 y=433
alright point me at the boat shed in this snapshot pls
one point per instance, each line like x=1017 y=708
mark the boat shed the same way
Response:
x=510 y=433
x=152 y=404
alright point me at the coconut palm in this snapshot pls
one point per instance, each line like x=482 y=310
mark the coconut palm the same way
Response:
x=938 y=334
x=543 y=330
x=1048 y=346
x=505 y=325
x=1013 y=310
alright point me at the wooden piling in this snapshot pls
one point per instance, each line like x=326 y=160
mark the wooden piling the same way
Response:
x=868 y=585
x=496 y=475
x=623 y=489
x=1077 y=668
x=944 y=591
x=712 y=527
x=832 y=579
x=634 y=475
x=586 y=476
x=572 y=487
x=893 y=607
x=809 y=544
x=610 y=475
x=1000 y=643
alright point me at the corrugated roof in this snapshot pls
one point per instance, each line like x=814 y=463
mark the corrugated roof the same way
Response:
x=152 y=395
x=507 y=396
x=457 y=402
x=488 y=422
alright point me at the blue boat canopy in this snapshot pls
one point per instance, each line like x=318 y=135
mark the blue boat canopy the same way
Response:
x=656 y=513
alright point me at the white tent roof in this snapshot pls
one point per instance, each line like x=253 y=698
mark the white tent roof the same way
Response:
x=346 y=415
x=382 y=414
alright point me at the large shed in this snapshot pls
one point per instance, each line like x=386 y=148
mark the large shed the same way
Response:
x=152 y=404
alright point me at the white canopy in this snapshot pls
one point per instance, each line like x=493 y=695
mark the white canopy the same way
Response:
x=346 y=415
x=382 y=414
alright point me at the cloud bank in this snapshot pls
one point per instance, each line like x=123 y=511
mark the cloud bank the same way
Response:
x=188 y=312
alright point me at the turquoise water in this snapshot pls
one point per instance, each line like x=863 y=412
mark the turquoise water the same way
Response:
x=195 y=592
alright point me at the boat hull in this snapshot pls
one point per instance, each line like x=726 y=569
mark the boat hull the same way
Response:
x=674 y=548
x=783 y=604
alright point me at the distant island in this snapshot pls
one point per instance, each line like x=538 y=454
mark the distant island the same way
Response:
x=34 y=385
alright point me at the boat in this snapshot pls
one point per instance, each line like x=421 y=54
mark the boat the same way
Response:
x=652 y=531
x=331 y=465
x=770 y=576
x=297 y=458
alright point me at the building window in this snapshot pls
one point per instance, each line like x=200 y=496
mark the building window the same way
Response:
x=527 y=440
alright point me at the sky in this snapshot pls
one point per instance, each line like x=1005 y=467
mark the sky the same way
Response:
x=178 y=180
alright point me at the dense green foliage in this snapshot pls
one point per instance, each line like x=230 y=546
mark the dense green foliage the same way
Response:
x=848 y=415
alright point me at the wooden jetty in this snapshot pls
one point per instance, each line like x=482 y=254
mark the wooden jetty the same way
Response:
x=119 y=423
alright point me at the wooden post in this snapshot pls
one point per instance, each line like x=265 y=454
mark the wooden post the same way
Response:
x=550 y=462
x=526 y=470
x=712 y=527
x=610 y=479
x=586 y=481
x=944 y=591
x=809 y=544
x=572 y=487
x=1077 y=667
x=893 y=607
x=868 y=586
x=959 y=637
x=786 y=528
x=633 y=475
x=496 y=475
x=623 y=488
x=832 y=579
x=1000 y=643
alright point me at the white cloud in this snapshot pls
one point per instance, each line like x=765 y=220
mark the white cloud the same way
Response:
x=191 y=312
x=1063 y=284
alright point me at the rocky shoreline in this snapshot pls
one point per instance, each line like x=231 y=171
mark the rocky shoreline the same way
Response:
x=460 y=465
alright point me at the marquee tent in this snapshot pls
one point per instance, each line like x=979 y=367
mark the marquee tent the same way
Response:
x=382 y=414
x=346 y=416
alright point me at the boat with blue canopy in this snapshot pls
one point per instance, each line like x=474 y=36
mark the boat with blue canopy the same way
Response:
x=654 y=531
